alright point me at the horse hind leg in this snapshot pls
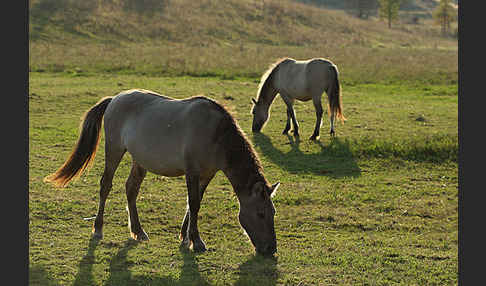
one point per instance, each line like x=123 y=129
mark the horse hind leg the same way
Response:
x=332 y=113
x=318 y=107
x=332 y=118
x=112 y=160
x=137 y=174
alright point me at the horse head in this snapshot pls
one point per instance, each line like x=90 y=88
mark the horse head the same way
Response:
x=257 y=217
x=260 y=116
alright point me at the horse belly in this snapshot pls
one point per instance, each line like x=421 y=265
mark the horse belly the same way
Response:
x=300 y=93
x=304 y=97
x=169 y=172
x=156 y=147
x=169 y=164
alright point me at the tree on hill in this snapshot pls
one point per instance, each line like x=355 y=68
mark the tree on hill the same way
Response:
x=388 y=9
x=444 y=15
x=363 y=8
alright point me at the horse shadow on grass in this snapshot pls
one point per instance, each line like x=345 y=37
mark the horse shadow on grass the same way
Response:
x=334 y=159
x=38 y=275
x=85 y=275
x=256 y=270
x=121 y=275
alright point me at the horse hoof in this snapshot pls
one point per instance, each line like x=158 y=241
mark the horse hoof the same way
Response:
x=97 y=235
x=285 y=132
x=313 y=138
x=185 y=244
x=198 y=246
x=140 y=236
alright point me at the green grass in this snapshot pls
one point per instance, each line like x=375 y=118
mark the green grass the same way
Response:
x=375 y=206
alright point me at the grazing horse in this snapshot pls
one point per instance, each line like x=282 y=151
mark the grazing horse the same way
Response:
x=301 y=80
x=195 y=137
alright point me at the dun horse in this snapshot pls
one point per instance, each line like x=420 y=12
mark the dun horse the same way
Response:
x=195 y=137
x=301 y=80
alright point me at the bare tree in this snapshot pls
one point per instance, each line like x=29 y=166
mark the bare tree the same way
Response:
x=444 y=15
x=365 y=8
x=388 y=9
x=362 y=8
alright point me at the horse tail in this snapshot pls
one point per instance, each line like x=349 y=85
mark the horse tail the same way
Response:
x=335 y=102
x=84 y=151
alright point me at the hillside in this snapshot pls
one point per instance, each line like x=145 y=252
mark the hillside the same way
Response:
x=411 y=5
x=234 y=37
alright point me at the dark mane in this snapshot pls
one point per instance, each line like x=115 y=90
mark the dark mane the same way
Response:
x=267 y=77
x=214 y=104
x=239 y=152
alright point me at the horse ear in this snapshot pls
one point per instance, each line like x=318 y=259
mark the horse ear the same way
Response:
x=273 y=189
x=254 y=101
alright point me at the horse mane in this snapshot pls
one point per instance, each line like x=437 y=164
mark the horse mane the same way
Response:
x=239 y=152
x=267 y=76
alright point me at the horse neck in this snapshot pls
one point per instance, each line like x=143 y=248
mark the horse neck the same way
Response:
x=242 y=179
x=268 y=92
x=268 y=99
x=242 y=170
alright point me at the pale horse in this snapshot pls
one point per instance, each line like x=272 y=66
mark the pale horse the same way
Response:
x=195 y=137
x=302 y=80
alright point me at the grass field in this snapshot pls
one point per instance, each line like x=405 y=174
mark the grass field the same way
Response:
x=378 y=205
x=375 y=206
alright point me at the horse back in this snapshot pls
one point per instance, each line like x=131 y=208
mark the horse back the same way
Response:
x=166 y=136
x=320 y=74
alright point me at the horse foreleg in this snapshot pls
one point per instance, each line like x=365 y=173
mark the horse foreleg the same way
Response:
x=203 y=184
x=137 y=174
x=318 y=107
x=287 y=126
x=294 y=122
x=194 y=201
x=291 y=113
